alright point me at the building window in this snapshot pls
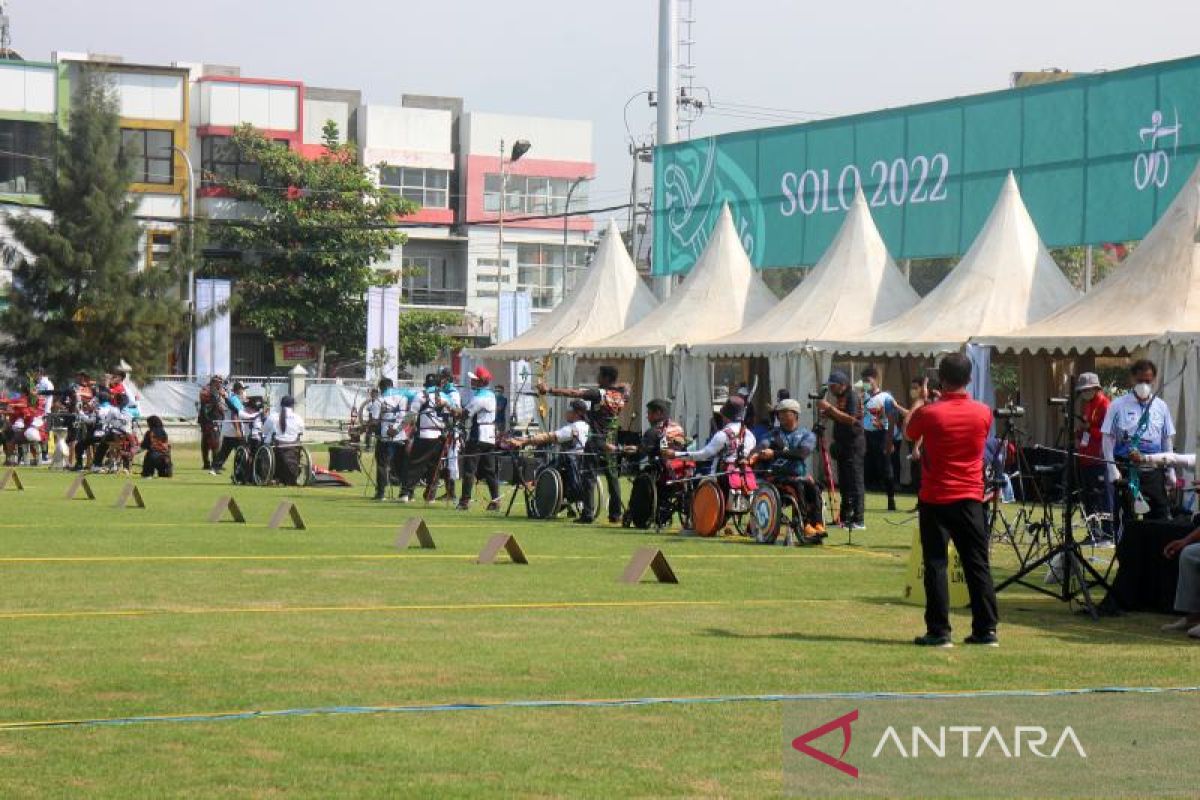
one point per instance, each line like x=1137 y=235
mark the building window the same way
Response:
x=158 y=247
x=23 y=145
x=428 y=188
x=151 y=153
x=540 y=272
x=221 y=160
x=432 y=281
x=532 y=195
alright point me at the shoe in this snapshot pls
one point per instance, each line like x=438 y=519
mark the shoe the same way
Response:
x=985 y=639
x=494 y=505
x=1194 y=632
x=1178 y=626
x=810 y=531
x=858 y=526
x=812 y=539
x=583 y=520
x=933 y=640
x=819 y=529
x=462 y=507
x=891 y=505
x=614 y=520
x=404 y=498
x=378 y=498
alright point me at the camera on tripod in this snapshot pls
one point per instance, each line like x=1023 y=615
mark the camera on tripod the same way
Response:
x=819 y=394
x=1010 y=411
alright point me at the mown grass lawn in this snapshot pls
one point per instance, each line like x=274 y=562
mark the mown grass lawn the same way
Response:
x=108 y=613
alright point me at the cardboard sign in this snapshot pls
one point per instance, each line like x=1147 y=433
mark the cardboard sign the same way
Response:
x=649 y=558
x=502 y=541
x=130 y=491
x=81 y=482
x=415 y=527
x=10 y=476
x=226 y=502
x=287 y=509
x=914 y=589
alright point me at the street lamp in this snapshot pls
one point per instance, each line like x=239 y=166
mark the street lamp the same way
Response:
x=519 y=148
x=191 y=182
x=566 y=217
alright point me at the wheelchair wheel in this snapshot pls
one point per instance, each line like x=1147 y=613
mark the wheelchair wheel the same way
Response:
x=547 y=497
x=765 y=514
x=642 y=509
x=263 y=469
x=304 y=470
x=243 y=466
x=708 y=508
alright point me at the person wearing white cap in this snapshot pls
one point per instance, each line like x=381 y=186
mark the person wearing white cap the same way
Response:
x=1093 y=473
x=785 y=451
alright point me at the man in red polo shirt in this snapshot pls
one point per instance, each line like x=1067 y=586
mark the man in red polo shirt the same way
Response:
x=955 y=430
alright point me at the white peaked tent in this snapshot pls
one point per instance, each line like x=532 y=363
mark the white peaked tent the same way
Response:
x=611 y=297
x=1153 y=301
x=854 y=287
x=1005 y=281
x=721 y=294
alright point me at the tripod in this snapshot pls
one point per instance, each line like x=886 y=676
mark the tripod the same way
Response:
x=1075 y=567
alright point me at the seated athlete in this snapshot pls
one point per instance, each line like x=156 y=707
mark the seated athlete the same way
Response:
x=729 y=448
x=786 y=452
x=572 y=440
x=663 y=434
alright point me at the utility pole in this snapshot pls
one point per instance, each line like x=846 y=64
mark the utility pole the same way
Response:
x=668 y=91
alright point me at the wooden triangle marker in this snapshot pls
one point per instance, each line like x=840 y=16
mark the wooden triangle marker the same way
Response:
x=226 y=502
x=502 y=541
x=10 y=475
x=649 y=558
x=80 y=482
x=287 y=508
x=130 y=491
x=415 y=526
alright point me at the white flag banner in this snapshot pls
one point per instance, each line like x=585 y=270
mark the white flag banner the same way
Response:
x=383 y=330
x=516 y=314
x=212 y=339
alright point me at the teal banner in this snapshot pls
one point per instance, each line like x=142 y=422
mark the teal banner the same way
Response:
x=1098 y=158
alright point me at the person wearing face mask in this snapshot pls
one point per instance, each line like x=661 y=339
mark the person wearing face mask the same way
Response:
x=1139 y=424
x=1093 y=475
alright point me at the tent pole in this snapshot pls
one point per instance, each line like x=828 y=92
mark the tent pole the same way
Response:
x=1087 y=268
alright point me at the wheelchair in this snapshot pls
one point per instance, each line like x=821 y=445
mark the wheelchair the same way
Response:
x=660 y=492
x=558 y=486
x=777 y=508
x=721 y=500
x=254 y=464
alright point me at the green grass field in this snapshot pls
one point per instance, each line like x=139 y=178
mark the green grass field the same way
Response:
x=108 y=613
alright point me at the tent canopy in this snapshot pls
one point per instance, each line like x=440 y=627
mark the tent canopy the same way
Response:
x=1005 y=281
x=611 y=297
x=1153 y=297
x=854 y=287
x=721 y=294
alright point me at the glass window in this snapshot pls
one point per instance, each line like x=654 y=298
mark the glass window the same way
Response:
x=23 y=146
x=221 y=160
x=425 y=187
x=150 y=154
x=533 y=195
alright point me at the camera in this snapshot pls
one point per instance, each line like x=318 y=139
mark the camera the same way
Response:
x=819 y=394
x=1010 y=411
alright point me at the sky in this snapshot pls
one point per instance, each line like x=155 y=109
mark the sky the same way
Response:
x=761 y=62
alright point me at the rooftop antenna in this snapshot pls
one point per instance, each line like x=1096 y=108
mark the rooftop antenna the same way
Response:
x=6 y=51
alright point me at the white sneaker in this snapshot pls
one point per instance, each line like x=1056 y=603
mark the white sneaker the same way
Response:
x=1194 y=632
x=1178 y=626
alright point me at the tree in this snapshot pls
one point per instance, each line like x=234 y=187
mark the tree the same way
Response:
x=423 y=336
x=78 y=300
x=308 y=261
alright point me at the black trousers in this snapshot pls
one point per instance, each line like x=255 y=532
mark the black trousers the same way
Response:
x=423 y=461
x=1153 y=484
x=877 y=470
x=156 y=464
x=582 y=482
x=478 y=462
x=606 y=463
x=960 y=522
x=287 y=464
x=228 y=445
x=390 y=460
x=809 y=495
x=850 y=458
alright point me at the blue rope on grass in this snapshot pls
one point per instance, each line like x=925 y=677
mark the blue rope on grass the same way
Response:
x=618 y=703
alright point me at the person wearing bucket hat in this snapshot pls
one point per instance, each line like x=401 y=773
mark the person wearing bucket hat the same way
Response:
x=845 y=411
x=1093 y=475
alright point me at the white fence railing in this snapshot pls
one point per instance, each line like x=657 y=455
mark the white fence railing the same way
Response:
x=177 y=396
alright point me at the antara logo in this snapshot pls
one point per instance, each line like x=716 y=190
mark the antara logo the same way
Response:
x=1025 y=740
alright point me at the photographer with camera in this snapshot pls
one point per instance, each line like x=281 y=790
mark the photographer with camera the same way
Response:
x=955 y=430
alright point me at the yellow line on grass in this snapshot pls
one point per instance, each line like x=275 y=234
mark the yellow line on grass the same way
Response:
x=395 y=556
x=152 y=612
